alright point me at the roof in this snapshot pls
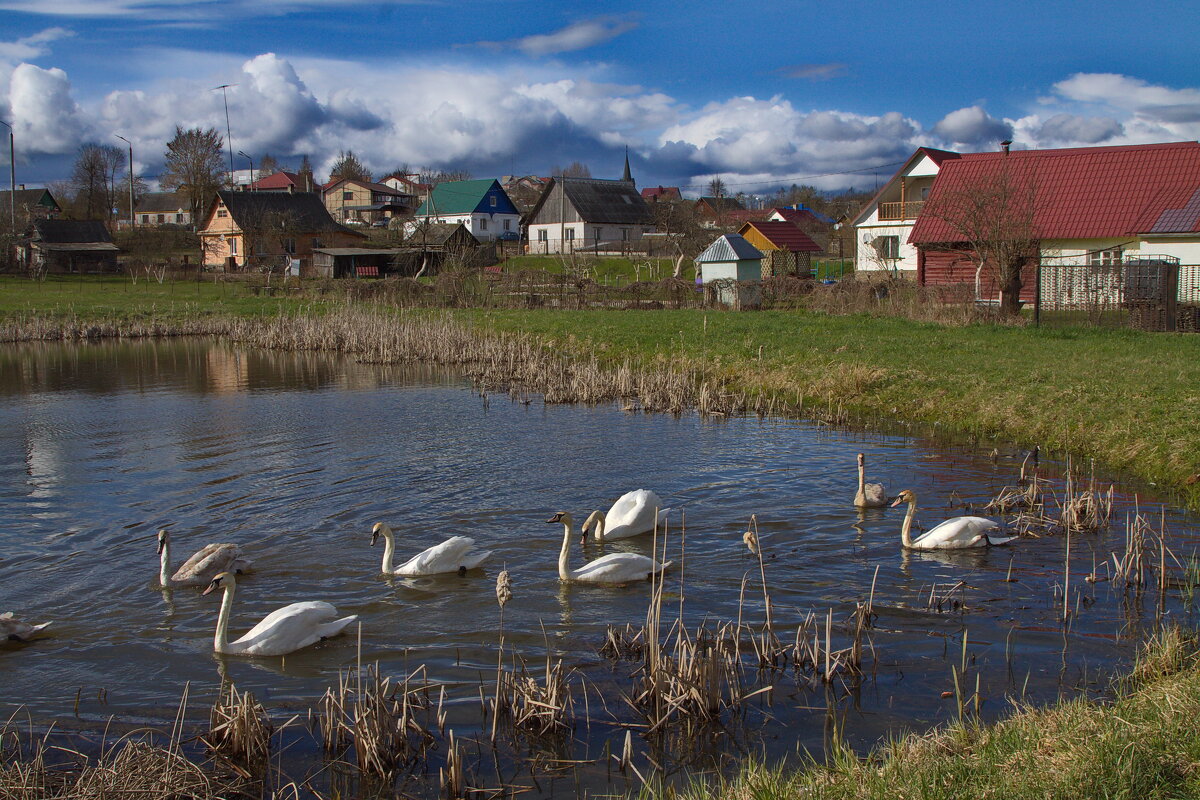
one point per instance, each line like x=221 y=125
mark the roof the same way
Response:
x=465 y=197
x=77 y=247
x=938 y=157
x=305 y=210
x=358 y=251
x=661 y=191
x=438 y=233
x=277 y=181
x=598 y=200
x=29 y=197
x=163 y=202
x=729 y=247
x=721 y=203
x=784 y=235
x=801 y=213
x=1082 y=192
x=376 y=188
x=71 y=231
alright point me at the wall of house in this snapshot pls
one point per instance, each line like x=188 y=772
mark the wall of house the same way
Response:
x=216 y=236
x=586 y=234
x=868 y=260
x=168 y=218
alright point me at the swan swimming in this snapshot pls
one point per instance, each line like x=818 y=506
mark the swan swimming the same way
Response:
x=612 y=568
x=19 y=630
x=869 y=495
x=956 y=533
x=456 y=554
x=201 y=567
x=283 y=631
x=633 y=514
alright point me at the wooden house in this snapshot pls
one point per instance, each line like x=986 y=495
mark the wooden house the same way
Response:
x=481 y=205
x=269 y=230
x=786 y=249
x=362 y=202
x=67 y=245
x=27 y=205
x=163 y=208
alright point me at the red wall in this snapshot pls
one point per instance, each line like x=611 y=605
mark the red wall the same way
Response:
x=946 y=268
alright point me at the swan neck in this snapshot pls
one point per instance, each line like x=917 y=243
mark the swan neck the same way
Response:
x=862 y=478
x=908 y=518
x=564 y=571
x=598 y=529
x=389 y=548
x=164 y=565
x=221 y=640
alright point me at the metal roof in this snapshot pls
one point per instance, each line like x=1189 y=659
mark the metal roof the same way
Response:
x=302 y=211
x=77 y=247
x=784 y=235
x=357 y=251
x=163 y=202
x=730 y=247
x=595 y=200
x=70 y=231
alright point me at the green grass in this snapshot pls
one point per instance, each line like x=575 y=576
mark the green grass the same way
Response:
x=602 y=269
x=1143 y=744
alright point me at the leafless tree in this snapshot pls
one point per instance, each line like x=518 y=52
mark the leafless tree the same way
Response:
x=349 y=167
x=576 y=169
x=267 y=165
x=193 y=166
x=681 y=225
x=991 y=220
x=93 y=179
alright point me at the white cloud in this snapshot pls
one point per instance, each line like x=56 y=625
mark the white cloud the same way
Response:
x=974 y=127
x=815 y=72
x=1075 y=129
x=576 y=36
x=32 y=46
x=45 y=117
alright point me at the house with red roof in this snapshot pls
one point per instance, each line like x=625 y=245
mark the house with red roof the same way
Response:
x=282 y=181
x=883 y=225
x=1085 y=206
x=799 y=214
x=667 y=194
x=786 y=249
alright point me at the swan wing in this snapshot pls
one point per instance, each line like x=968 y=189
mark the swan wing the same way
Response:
x=633 y=514
x=957 y=532
x=871 y=496
x=207 y=562
x=290 y=628
x=618 y=568
x=12 y=628
x=449 y=556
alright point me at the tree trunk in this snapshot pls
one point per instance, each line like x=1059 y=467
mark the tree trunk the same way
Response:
x=1010 y=290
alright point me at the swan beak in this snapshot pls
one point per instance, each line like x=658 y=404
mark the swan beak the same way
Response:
x=212 y=587
x=555 y=518
x=374 y=537
x=898 y=501
x=160 y=546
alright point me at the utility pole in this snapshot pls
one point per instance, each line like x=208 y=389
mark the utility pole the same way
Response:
x=228 y=136
x=12 y=180
x=132 y=218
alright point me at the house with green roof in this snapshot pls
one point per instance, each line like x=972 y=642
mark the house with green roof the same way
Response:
x=482 y=206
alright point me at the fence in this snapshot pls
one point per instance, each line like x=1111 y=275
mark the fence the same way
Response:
x=1152 y=294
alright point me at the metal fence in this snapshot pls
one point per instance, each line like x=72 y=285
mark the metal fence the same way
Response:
x=1152 y=294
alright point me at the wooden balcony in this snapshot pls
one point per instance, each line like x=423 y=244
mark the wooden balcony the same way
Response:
x=894 y=211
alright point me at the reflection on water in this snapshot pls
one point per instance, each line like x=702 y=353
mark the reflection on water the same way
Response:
x=295 y=456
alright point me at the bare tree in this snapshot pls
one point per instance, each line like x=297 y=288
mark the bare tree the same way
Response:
x=716 y=187
x=93 y=179
x=193 y=166
x=681 y=225
x=267 y=165
x=991 y=220
x=576 y=169
x=434 y=177
x=307 y=184
x=349 y=167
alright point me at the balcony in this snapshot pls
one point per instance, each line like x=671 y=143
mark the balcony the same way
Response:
x=895 y=211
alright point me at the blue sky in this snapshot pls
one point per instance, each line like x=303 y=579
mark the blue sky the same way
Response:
x=762 y=94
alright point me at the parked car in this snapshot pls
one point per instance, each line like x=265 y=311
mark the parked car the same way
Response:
x=509 y=236
x=354 y=222
x=379 y=223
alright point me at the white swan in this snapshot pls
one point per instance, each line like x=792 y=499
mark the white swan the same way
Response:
x=612 y=568
x=456 y=554
x=17 y=629
x=201 y=567
x=869 y=495
x=954 y=534
x=634 y=513
x=283 y=631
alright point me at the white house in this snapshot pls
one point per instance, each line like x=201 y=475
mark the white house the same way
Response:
x=883 y=225
x=586 y=213
x=482 y=206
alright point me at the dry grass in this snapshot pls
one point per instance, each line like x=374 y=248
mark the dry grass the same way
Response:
x=239 y=728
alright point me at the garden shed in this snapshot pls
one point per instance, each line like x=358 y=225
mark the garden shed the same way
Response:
x=734 y=267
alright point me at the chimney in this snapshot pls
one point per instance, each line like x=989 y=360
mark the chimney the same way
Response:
x=1005 y=145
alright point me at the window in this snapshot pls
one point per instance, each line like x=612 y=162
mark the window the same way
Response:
x=492 y=198
x=887 y=247
x=316 y=243
x=179 y=219
x=570 y=234
x=162 y=218
x=289 y=246
x=347 y=196
x=543 y=235
x=624 y=234
x=233 y=247
x=1104 y=258
x=222 y=212
x=483 y=224
x=508 y=224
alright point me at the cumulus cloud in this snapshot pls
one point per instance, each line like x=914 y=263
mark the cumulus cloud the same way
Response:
x=972 y=126
x=576 y=36
x=1074 y=129
x=45 y=117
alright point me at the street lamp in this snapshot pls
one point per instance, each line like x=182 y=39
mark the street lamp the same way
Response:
x=228 y=136
x=251 y=160
x=12 y=180
x=132 y=218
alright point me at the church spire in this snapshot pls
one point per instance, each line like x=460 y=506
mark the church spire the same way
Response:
x=628 y=176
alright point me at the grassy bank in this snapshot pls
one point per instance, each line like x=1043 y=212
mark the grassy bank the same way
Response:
x=1143 y=743
x=1123 y=397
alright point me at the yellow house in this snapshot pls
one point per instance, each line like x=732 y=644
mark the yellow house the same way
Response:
x=268 y=231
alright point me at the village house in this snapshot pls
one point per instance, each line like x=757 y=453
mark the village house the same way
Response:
x=666 y=194
x=269 y=230
x=408 y=184
x=718 y=211
x=283 y=181
x=587 y=213
x=27 y=205
x=883 y=225
x=163 y=208
x=481 y=205
x=1083 y=207
x=355 y=202
x=67 y=245
x=787 y=250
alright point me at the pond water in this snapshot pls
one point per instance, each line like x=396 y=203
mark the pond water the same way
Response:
x=296 y=456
